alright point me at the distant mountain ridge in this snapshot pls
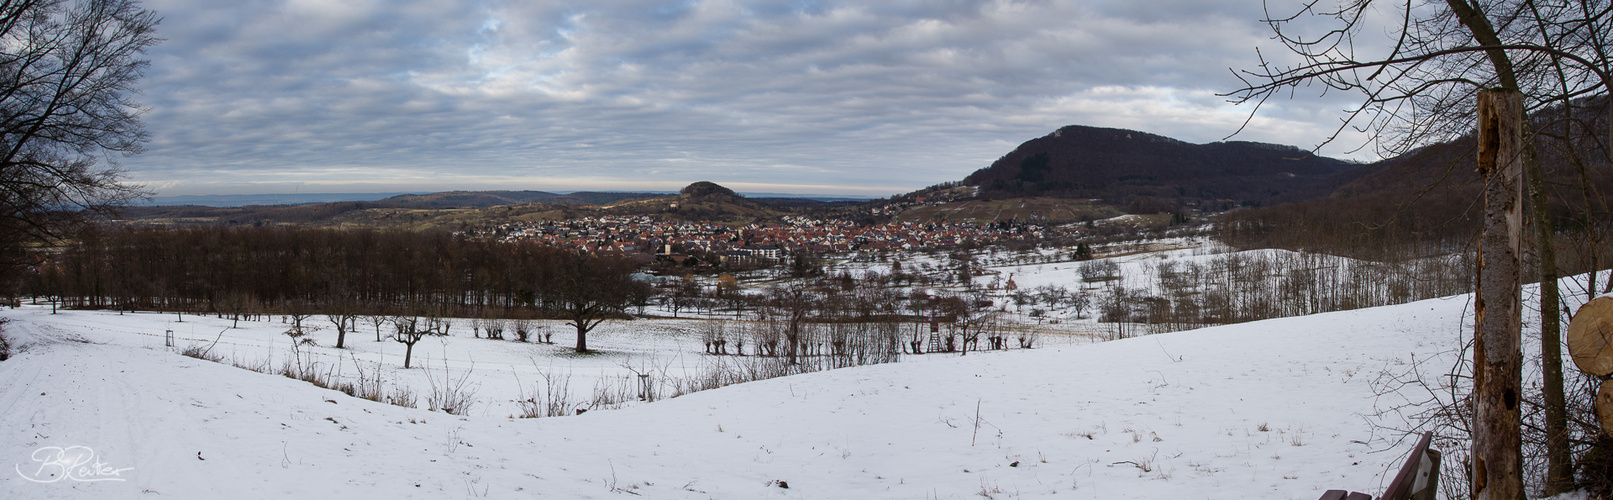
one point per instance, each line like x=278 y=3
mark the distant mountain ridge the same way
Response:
x=479 y=199
x=1147 y=172
x=460 y=198
x=241 y=200
x=462 y=210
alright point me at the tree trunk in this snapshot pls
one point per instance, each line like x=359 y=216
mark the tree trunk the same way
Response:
x=1497 y=457
x=1559 y=460
x=1604 y=406
x=582 y=337
x=407 y=353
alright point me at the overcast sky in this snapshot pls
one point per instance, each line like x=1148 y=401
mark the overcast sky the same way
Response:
x=825 y=97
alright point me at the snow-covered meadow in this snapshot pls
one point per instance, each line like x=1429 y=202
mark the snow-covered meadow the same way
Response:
x=497 y=374
x=1273 y=409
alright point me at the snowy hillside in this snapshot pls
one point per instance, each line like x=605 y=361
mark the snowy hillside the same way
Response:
x=1272 y=409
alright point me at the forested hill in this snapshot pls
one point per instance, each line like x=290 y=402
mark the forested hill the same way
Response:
x=1427 y=201
x=1147 y=172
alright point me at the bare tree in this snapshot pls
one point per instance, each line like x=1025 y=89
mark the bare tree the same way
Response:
x=298 y=310
x=235 y=304
x=591 y=290
x=1079 y=301
x=972 y=315
x=683 y=293
x=67 y=71
x=408 y=330
x=1425 y=89
x=343 y=313
x=495 y=328
x=793 y=304
x=523 y=329
x=714 y=334
x=377 y=319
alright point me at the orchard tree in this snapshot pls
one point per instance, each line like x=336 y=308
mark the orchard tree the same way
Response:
x=593 y=289
x=409 y=330
x=343 y=312
x=793 y=303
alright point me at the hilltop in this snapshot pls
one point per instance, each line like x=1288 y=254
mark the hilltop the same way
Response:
x=701 y=201
x=1146 y=173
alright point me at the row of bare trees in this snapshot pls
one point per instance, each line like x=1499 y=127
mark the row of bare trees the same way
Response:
x=1174 y=295
x=848 y=321
x=237 y=271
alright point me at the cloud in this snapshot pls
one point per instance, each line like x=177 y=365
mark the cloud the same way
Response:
x=830 y=96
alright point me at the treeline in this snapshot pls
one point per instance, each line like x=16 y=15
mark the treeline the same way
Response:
x=1252 y=286
x=1401 y=225
x=1381 y=226
x=1429 y=202
x=849 y=320
x=237 y=271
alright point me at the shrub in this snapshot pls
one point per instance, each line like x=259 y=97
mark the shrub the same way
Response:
x=199 y=352
x=453 y=396
x=5 y=348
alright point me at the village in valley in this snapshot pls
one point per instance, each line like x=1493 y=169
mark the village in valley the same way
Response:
x=468 y=249
x=766 y=243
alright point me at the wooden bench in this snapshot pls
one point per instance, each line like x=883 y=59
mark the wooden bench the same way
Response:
x=1418 y=478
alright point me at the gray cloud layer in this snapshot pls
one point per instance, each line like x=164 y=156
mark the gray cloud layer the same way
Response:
x=808 y=96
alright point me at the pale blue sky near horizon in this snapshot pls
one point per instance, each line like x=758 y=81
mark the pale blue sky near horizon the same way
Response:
x=858 y=98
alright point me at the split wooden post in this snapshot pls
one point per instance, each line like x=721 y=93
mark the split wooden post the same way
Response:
x=1497 y=356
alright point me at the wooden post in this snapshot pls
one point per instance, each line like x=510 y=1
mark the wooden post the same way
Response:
x=1497 y=358
x=646 y=392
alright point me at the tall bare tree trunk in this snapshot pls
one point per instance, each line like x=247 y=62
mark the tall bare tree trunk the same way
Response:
x=1559 y=460
x=1497 y=356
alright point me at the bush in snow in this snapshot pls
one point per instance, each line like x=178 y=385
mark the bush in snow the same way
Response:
x=5 y=348
x=452 y=395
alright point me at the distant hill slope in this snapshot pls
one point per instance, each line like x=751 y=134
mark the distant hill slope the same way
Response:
x=1429 y=200
x=241 y=200
x=700 y=201
x=477 y=199
x=462 y=210
x=1146 y=172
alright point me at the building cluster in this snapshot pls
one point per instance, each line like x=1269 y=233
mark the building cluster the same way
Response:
x=933 y=198
x=758 y=242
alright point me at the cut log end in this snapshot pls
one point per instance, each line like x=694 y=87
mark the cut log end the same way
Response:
x=1590 y=337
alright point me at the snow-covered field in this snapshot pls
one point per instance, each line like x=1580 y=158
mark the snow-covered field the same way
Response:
x=1271 y=409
